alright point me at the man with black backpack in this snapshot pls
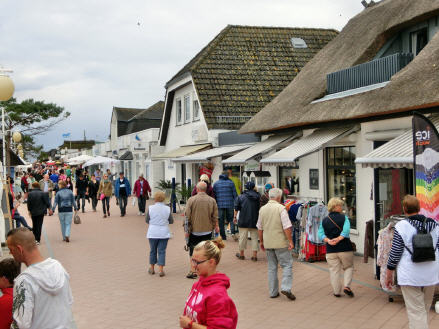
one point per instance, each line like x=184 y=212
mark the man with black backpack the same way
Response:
x=415 y=256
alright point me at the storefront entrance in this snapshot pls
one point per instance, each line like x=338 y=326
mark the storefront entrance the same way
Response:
x=391 y=185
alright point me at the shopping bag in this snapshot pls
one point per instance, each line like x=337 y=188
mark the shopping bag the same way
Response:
x=77 y=219
x=102 y=197
x=134 y=201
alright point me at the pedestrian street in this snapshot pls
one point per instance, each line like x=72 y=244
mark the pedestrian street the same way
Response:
x=107 y=262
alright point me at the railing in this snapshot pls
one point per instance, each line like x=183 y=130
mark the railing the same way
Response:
x=366 y=74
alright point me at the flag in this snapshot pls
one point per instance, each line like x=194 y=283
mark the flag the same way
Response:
x=426 y=164
x=137 y=138
x=65 y=135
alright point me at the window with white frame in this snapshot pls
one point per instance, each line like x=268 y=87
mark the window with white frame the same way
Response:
x=179 y=111
x=187 y=108
x=196 y=110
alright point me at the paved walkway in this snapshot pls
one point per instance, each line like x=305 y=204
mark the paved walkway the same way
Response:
x=107 y=261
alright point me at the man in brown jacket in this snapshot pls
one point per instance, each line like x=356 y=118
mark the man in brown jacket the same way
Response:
x=202 y=215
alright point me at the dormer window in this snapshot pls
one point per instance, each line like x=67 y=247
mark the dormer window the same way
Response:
x=418 y=40
x=179 y=111
x=187 y=108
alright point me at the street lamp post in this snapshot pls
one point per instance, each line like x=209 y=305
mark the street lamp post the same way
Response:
x=6 y=92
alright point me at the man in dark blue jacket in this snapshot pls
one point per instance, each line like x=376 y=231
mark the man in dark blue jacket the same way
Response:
x=225 y=194
x=247 y=204
x=122 y=190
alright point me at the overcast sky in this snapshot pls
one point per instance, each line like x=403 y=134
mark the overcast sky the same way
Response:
x=91 y=55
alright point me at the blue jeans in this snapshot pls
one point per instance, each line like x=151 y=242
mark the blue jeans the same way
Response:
x=20 y=220
x=157 y=246
x=283 y=258
x=226 y=214
x=65 y=219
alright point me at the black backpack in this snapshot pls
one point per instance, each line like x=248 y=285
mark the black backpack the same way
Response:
x=423 y=248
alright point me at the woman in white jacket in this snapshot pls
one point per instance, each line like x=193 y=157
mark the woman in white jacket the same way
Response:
x=159 y=216
x=417 y=279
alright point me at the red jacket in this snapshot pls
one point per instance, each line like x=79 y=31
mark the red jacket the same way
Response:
x=210 y=305
x=6 y=308
x=137 y=187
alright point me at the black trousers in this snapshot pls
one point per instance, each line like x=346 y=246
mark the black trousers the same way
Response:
x=37 y=225
x=123 y=200
x=196 y=239
x=94 y=201
x=78 y=198
x=142 y=201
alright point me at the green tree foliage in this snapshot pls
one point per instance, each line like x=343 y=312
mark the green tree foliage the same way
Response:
x=31 y=118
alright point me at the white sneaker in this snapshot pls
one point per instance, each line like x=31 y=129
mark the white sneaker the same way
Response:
x=143 y=214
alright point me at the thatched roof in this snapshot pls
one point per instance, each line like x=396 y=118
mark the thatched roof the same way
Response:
x=414 y=87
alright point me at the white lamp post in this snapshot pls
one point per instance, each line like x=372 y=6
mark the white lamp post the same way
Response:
x=6 y=91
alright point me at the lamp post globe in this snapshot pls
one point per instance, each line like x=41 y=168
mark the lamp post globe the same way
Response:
x=16 y=137
x=6 y=88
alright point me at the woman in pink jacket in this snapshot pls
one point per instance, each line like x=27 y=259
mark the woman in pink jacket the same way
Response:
x=208 y=305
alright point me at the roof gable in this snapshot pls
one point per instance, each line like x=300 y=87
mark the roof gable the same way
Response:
x=245 y=67
x=133 y=120
x=358 y=42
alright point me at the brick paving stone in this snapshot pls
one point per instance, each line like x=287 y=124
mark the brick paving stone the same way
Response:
x=107 y=260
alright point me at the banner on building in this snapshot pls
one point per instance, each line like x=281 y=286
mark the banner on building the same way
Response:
x=426 y=165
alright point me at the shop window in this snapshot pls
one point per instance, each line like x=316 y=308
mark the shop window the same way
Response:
x=289 y=178
x=341 y=183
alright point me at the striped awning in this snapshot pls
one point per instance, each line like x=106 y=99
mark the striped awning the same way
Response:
x=306 y=145
x=397 y=153
x=181 y=151
x=205 y=156
x=242 y=157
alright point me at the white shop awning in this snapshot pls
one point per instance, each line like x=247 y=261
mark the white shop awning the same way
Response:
x=205 y=156
x=306 y=145
x=397 y=153
x=242 y=157
x=181 y=151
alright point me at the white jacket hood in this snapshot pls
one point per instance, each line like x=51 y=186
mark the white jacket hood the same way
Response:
x=48 y=274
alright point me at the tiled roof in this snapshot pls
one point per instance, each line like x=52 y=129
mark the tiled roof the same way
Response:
x=245 y=67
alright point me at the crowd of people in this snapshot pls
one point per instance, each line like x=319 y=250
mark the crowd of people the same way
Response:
x=213 y=213
x=44 y=189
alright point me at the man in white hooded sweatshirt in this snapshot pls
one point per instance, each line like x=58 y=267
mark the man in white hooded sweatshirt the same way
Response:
x=42 y=294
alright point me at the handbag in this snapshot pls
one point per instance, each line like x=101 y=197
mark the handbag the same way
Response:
x=102 y=197
x=76 y=219
x=354 y=246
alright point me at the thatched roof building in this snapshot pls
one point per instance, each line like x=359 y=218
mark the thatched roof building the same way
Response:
x=413 y=88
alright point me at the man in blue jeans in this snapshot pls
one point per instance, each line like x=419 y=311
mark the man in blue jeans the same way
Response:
x=122 y=190
x=225 y=194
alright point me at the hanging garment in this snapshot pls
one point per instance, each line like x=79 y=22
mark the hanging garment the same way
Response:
x=315 y=216
x=384 y=244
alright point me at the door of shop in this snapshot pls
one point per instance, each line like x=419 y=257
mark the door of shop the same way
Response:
x=391 y=185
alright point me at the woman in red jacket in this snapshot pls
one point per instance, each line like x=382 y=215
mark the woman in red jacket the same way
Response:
x=209 y=305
